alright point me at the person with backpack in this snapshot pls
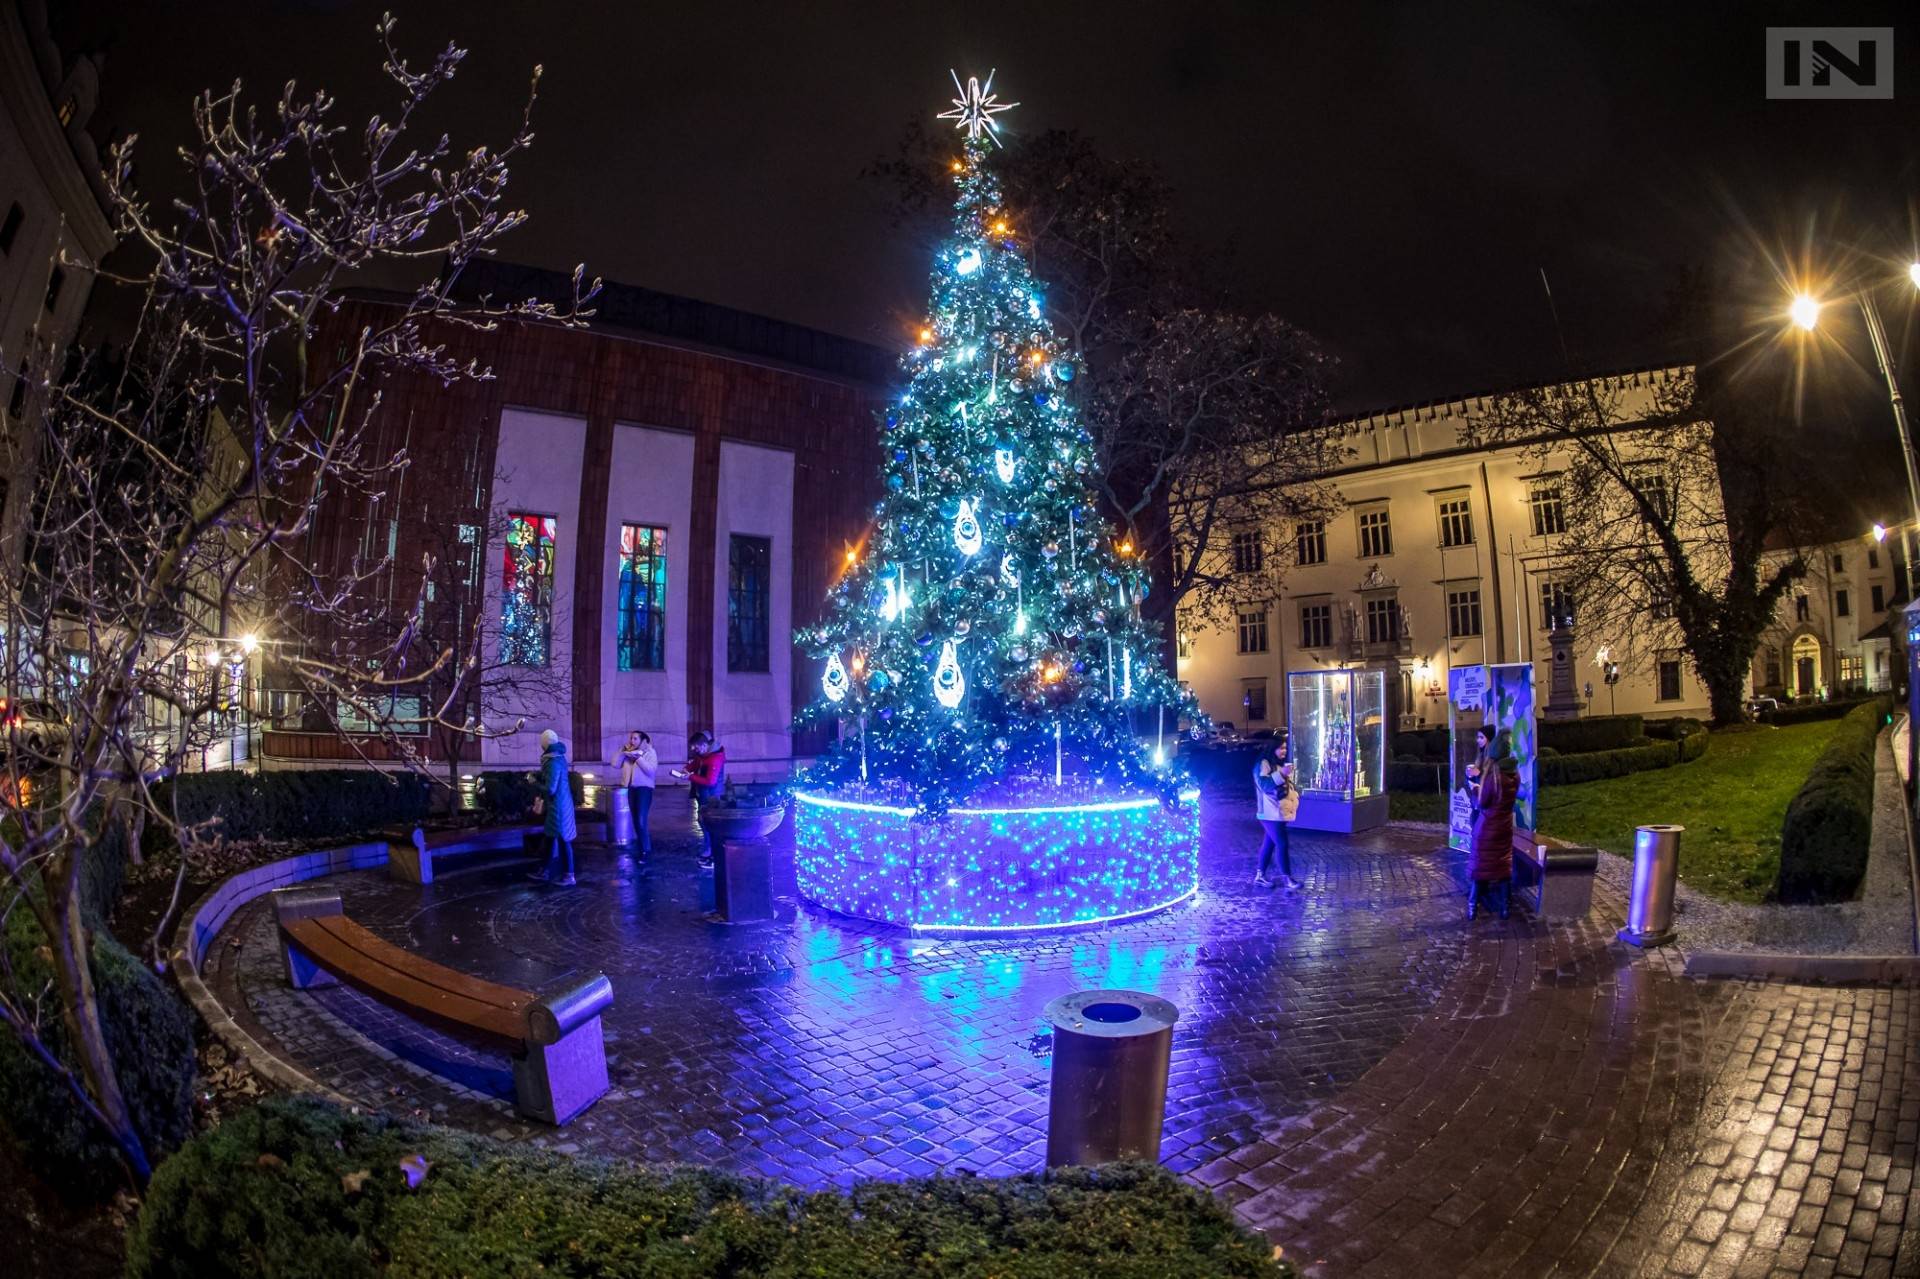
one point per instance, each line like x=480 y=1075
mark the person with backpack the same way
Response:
x=1276 y=802
x=555 y=803
x=706 y=774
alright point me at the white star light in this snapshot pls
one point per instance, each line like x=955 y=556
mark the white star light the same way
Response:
x=975 y=108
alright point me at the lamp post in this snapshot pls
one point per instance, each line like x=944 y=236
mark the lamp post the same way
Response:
x=1805 y=312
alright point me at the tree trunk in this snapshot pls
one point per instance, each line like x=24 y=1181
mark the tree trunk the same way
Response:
x=80 y=1008
x=1726 y=681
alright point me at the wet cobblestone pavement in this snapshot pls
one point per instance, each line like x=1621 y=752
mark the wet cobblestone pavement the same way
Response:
x=1382 y=1086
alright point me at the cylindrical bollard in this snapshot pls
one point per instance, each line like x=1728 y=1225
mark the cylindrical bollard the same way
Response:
x=619 y=817
x=1656 y=865
x=1111 y=1050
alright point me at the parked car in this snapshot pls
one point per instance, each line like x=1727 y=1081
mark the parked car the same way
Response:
x=1762 y=705
x=36 y=727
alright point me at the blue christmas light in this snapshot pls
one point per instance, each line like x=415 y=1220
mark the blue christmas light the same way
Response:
x=997 y=869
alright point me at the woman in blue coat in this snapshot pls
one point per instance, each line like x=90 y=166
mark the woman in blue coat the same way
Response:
x=556 y=801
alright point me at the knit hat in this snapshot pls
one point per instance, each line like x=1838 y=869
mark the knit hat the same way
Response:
x=549 y=738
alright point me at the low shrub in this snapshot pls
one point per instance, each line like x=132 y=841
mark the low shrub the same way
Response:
x=1593 y=766
x=297 y=1188
x=1439 y=743
x=1594 y=733
x=1675 y=729
x=149 y=1033
x=507 y=796
x=1829 y=824
x=318 y=803
x=1416 y=777
x=1813 y=712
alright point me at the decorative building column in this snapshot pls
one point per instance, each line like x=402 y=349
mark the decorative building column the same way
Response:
x=1563 y=693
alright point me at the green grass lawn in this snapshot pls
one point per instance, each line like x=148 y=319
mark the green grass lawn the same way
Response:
x=1732 y=801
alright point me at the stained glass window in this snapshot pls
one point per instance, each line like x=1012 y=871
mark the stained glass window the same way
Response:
x=526 y=592
x=749 y=561
x=642 y=637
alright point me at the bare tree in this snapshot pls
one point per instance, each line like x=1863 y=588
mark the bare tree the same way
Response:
x=1670 y=505
x=169 y=515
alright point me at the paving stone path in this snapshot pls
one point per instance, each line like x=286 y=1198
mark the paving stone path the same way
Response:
x=1380 y=1085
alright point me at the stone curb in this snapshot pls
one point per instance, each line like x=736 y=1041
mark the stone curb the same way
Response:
x=1899 y=970
x=197 y=929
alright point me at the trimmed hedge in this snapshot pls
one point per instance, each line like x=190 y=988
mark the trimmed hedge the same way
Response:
x=296 y=1188
x=1679 y=728
x=1414 y=778
x=317 y=803
x=1813 y=712
x=149 y=1033
x=508 y=796
x=1829 y=825
x=1594 y=733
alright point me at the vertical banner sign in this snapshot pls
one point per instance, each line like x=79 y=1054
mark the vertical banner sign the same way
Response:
x=1466 y=696
x=1498 y=697
x=1510 y=706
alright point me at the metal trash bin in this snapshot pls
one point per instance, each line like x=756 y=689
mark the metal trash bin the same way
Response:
x=619 y=817
x=1656 y=867
x=1108 y=1100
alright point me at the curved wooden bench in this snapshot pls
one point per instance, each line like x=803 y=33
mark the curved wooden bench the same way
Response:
x=412 y=854
x=559 y=1055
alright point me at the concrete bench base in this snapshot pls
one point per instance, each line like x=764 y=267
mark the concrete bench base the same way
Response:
x=412 y=859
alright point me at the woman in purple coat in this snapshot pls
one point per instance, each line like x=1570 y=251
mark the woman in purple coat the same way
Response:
x=1490 y=861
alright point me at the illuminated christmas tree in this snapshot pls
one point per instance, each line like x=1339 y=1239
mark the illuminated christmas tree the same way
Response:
x=989 y=629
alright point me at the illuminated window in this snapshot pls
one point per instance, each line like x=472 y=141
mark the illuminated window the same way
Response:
x=1376 y=533
x=1853 y=670
x=1463 y=612
x=1316 y=626
x=1249 y=556
x=1549 y=511
x=526 y=592
x=1456 y=521
x=749 y=561
x=642 y=635
x=1310 y=541
x=1253 y=630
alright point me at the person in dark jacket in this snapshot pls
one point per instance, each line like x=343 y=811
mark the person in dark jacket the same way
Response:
x=556 y=803
x=706 y=774
x=1490 y=857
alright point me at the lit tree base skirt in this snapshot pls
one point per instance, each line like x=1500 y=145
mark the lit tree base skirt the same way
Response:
x=997 y=869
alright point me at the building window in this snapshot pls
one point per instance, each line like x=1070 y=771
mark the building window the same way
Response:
x=1839 y=563
x=1879 y=599
x=1799 y=608
x=1456 y=521
x=1873 y=557
x=1548 y=510
x=1253 y=630
x=642 y=637
x=1670 y=679
x=1383 y=620
x=1254 y=701
x=1556 y=605
x=1376 y=534
x=1463 y=613
x=1773 y=668
x=1651 y=484
x=749 y=562
x=1310 y=542
x=1186 y=646
x=1249 y=556
x=56 y=278
x=1853 y=670
x=1840 y=604
x=1316 y=626
x=526 y=592
x=10 y=229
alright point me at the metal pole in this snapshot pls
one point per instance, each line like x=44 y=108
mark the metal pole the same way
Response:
x=1878 y=335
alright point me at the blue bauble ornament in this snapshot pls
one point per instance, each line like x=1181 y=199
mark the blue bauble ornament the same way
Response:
x=1040 y=398
x=1064 y=371
x=950 y=508
x=877 y=680
x=899 y=455
x=924 y=638
x=895 y=483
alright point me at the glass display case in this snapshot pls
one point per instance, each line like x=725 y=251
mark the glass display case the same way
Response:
x=1337 y=735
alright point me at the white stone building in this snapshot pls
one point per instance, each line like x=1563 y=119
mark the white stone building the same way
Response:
x=1442 y=555
x=1833 y=633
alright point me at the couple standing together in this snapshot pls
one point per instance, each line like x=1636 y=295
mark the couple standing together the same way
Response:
x=706 y=773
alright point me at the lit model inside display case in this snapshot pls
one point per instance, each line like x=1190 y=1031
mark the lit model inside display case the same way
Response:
x=1337 y=734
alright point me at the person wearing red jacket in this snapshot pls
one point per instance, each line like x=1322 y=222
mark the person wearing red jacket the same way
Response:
x=706 y=773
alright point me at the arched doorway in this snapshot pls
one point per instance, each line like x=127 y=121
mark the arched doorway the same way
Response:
x=1806 y=666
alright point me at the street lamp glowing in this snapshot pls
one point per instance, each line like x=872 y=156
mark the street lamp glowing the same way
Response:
x=1879 y=532
x=249 y=642
x=1805 y=311
x=1913 y=273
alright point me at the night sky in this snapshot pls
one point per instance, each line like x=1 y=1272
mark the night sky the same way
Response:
x=1391 y=178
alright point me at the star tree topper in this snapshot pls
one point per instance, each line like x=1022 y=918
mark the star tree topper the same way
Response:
x=975 y=108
